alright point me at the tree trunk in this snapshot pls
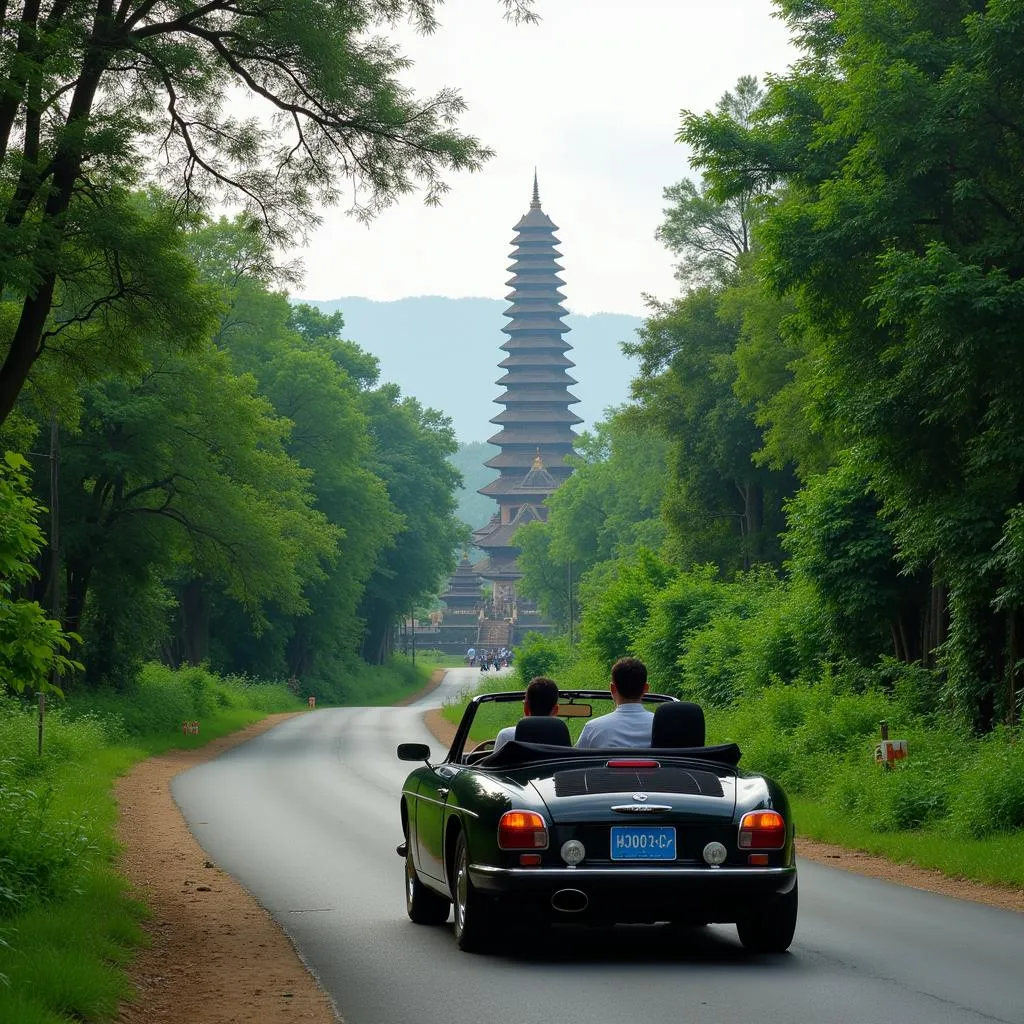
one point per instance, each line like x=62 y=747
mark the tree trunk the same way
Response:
x=195 y=618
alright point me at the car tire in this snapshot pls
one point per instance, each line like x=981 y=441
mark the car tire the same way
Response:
x=474 y=918
x=771 y=928
x=423 y=905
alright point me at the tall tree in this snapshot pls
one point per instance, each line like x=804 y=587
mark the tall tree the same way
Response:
x=896 y=145
x=91 y=91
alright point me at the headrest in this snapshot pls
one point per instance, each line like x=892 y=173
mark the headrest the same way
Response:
x=678 y=724
x=543 y=729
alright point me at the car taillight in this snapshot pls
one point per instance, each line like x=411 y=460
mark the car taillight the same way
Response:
x=762 y=830
x=632 y=762
x=522 y=830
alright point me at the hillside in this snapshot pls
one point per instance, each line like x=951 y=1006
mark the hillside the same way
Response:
x=445 y=352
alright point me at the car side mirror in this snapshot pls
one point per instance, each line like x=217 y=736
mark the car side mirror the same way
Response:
x=413 y=752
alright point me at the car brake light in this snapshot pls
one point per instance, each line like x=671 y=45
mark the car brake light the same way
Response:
x=632 y=763
x=762 y=830
x=522 y=830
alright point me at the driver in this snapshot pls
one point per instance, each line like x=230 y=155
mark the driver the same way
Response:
x=541 y=699
x=629 y=725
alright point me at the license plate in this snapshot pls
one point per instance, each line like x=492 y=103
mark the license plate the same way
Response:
x=632 y=842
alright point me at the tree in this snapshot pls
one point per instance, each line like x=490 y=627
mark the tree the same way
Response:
x=91 y=91
x=32 y=645
x=609 y=508
x=710 y=236
x=181 y=471
x=410 y=451
x=895 y=147
x=720 y=506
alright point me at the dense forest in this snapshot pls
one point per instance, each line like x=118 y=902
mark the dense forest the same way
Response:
x=196 y=470
x=820 y=474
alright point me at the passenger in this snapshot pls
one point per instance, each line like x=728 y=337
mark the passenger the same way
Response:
x=541 y=699
x=629 y=725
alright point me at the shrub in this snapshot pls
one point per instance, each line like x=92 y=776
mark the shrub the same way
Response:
x=990 y=796
x=539 y=655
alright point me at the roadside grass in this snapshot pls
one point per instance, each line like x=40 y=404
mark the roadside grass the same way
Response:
x=68 y=923
x=998 y=859
x=365 y=685
x=438 y=659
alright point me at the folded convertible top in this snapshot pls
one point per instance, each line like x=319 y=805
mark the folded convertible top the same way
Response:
x=516 y=754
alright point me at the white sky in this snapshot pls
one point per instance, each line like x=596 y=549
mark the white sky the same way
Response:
x=591 y=96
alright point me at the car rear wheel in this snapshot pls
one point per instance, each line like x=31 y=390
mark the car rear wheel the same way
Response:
x=771 y=928
x=474 y=918
x=423 y=905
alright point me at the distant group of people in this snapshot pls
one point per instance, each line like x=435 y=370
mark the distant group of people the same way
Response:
x=500 y=657
x=629 y=725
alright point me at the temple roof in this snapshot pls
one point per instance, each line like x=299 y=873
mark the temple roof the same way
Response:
x=512 y=459
x=538 y=375
x=533 y=357
x=553 y=414
x=543 y=436
x=537 y=394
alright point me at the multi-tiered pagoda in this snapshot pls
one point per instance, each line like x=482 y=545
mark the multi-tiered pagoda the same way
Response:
x=536 y=425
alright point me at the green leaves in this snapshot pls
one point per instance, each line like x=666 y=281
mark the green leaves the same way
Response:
x=32 y=645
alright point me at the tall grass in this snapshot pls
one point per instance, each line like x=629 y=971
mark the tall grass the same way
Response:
x=67 y=921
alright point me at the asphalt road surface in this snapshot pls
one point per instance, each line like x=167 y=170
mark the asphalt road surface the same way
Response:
x=306 y=817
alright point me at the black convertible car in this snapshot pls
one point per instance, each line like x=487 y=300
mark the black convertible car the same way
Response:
x=542 y=832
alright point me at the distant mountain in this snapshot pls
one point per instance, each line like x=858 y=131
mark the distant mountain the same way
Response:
x=474 y=509
x=445 y=352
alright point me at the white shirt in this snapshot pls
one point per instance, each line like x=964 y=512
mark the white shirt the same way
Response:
x=629 y=725
x=506 y=734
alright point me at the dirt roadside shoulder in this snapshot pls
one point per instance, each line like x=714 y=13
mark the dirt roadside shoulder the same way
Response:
x=216 y=956
x=857 y=861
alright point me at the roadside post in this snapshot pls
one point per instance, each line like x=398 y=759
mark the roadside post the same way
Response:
x=889 y=751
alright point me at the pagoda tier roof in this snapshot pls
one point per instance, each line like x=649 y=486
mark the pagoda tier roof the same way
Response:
x=526 y=306
x=522 y=434
x=501 y=537
x=528 y=392
x=539 y=293
x=545 y=375
x=536 y=218
x=538 y=278
x=520 y=461
x=535 y=341
x=532 y=416
x=540 y=360
x=545 y=325
x=545 y=254
x=514 y=487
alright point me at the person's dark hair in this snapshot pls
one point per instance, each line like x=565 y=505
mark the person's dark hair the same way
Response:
x=541 y=695
x=629 y=676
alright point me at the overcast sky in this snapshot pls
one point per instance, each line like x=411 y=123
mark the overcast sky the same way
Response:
x=591 y=96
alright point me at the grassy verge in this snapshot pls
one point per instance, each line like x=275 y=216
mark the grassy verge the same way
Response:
x=956 y=805
x=379 y=685
x=67 y=924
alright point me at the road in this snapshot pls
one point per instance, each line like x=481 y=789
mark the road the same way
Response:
x=306 y=817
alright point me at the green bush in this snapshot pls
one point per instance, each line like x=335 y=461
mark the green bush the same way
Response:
x=539 y=655
x=990 y=795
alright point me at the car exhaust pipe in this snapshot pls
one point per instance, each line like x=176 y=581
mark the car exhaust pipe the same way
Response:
x=570 y=901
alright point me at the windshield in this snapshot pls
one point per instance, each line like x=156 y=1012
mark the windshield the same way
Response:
x=493 y=716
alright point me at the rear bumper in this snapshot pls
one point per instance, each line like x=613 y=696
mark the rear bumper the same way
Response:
x=647 y=894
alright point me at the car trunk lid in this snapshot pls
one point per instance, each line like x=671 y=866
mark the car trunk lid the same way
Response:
x=639 y=792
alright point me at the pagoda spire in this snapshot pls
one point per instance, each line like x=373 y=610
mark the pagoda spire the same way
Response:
x=535 y=201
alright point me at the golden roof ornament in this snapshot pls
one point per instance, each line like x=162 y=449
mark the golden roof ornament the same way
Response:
x=538 y=462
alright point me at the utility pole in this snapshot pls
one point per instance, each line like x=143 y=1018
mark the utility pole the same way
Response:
x=412 y=623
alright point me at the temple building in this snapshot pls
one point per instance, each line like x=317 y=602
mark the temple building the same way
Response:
x=535 y=427
x=463 y=597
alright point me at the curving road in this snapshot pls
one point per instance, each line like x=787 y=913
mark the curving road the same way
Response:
x=306 y=817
